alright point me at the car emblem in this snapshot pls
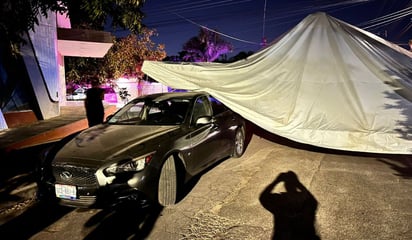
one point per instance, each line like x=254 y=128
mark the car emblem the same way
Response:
x=66 y=175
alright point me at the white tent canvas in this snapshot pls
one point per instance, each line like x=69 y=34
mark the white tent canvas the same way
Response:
x=325 y=83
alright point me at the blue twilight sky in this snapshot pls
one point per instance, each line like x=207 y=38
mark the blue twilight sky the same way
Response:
x=245 y=22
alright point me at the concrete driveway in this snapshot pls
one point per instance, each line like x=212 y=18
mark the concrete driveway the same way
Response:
x=326 y=195
x=358 y=197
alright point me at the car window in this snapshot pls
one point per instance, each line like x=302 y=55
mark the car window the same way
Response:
x=136 y=108
x=201 y=108
x=129 y=114
x=217 y=106
x=166 y=112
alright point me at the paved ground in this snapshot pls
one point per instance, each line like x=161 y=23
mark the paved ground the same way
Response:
x=19 y=149
x=339 y=194
x=358 y=197
x=347 y=196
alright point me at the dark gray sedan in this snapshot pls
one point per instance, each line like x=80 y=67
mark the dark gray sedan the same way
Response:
x=146 y=151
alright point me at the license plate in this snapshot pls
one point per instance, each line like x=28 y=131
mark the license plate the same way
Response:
x=65 y=191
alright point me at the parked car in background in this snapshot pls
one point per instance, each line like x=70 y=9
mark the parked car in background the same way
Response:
x=145 y=152
x=110 y=96
x=78 y=94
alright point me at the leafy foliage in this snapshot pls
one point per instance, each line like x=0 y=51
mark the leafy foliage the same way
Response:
x=206 y=47
x=19 y=16
x=80 y=69
x=240 y=56
x=126 y=56
x=125 y=14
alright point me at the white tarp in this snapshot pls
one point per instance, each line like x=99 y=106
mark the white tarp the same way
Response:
x=324 y=83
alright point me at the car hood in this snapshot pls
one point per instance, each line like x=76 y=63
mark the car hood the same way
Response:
x=105 y=141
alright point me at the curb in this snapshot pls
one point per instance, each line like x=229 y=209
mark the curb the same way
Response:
x=48 y=136
x=55 y=134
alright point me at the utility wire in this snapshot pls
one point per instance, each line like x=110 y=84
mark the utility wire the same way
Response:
x=212 y=30
x=203 y=5
x=386 y=19
x=178 y=8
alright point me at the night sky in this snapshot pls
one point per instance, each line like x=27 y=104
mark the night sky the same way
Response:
x=245 y=22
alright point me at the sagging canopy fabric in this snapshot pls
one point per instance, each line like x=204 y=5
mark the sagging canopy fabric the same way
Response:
x=325 y=83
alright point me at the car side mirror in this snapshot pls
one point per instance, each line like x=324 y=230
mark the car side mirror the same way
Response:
x=204 y=120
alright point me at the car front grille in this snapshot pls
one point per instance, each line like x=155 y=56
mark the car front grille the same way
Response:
x=73 y=175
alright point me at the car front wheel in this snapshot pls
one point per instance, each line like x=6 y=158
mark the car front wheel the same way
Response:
x=239 y=146
x=167 y=189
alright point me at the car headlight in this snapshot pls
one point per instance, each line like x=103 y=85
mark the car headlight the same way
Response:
x=133 y=165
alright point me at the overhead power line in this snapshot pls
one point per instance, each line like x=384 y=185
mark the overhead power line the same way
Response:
x=212 y=30
x=201 y=11
x=386 y=19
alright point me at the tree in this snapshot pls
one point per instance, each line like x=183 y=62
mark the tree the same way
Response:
x=126 y=56
x=20 y=16
x=94 y=14
x=80 y=69
x=206 y=47
x=240 y=56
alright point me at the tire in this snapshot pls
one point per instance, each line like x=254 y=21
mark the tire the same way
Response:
x=167 y=189
x=239 y=143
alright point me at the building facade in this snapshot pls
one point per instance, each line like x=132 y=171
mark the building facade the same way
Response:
x=33 y=86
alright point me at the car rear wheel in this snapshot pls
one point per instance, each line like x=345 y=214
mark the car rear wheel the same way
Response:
x=167 y=190
x=239 y=147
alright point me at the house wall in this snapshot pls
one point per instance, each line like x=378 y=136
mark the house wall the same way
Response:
x=137 y=88
x=42 y=88
x=40 y=58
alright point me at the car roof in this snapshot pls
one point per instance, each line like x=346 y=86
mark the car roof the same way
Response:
x=169 y=95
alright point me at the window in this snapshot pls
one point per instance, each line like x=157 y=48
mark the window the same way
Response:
x=217 y=106
x=201 y=108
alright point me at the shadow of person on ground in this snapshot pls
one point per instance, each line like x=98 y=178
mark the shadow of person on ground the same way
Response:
x=126 y=221
x=293 y=211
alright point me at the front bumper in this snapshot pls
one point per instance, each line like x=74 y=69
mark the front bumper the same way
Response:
x=143 y=189
x=87 y=197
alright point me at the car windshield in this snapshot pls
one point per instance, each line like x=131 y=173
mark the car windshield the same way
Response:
x=152 y=112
